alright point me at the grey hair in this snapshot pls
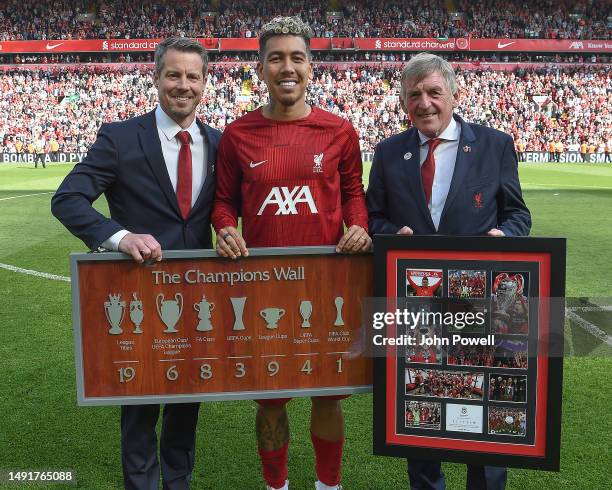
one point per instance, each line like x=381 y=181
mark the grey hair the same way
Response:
x=182 y=44
x=424 y=64
x=284 y=26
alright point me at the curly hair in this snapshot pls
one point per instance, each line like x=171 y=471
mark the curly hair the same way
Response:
x=284 y=26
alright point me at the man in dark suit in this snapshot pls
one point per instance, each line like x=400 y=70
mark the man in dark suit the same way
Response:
x=157 y=173
x=444 y=176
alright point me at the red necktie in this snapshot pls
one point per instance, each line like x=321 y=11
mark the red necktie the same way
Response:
x=428 y=169
x=183 y=181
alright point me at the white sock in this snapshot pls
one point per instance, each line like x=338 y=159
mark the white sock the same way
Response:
x=322 y=486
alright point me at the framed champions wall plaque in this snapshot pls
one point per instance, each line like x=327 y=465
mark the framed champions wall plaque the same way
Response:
x=198 y=327
x=468 y=346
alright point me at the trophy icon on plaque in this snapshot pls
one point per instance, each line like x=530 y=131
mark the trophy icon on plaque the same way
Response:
x=114 y=310
x=305 y=312
x=272 y=316
x=339 y=302
x=136 y=313
x=238 y=306
x=169 y=311
x=204 y=309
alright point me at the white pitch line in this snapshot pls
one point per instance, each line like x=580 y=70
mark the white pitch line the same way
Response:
x=590 y=308
x=589 y=327
x=568 y=186
x=25 y=195
x=33 y=273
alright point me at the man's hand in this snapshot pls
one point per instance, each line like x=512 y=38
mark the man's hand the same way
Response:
x=495 y=232
x=230 y=243
x=355 y=240
x=405 y=230
x=141 y=247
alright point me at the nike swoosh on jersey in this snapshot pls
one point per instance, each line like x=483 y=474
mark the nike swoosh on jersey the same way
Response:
x=253 y=164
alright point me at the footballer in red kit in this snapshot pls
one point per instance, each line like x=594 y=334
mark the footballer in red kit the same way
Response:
x=293 y=173
x=293 y=182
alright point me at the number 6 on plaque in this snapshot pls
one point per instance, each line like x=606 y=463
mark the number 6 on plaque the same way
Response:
x=172 y=373
x=126 y=374
x=273 y=368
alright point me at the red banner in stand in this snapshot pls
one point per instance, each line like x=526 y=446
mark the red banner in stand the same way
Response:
x=359 y=44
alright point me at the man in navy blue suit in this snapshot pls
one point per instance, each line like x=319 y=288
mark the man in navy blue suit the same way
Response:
x=157 y=173
x=448 y=177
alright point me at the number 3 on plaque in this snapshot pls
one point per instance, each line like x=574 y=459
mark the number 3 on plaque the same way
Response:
x=273 y=368
x=126 y=374
x=240 y=371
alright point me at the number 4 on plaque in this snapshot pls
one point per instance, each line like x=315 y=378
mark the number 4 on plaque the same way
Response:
x=306 y=368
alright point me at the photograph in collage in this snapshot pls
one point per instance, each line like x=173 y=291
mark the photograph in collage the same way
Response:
x=420 y=352
x=505 y=353
x=424 y=282
x=444 y=384
x=423 y=415
x=466 y=283
x=510 y=303
x=508 y=388
x=507 y=421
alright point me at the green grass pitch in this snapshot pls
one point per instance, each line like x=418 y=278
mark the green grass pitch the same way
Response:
x=41 y=426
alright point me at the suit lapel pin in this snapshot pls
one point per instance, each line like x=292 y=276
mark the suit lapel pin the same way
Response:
x=467 y=149
x=407 y=156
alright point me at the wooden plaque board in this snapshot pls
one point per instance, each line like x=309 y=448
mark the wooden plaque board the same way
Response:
x=193 y=327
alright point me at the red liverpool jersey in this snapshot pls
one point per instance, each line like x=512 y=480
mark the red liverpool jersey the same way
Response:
x=293 y=182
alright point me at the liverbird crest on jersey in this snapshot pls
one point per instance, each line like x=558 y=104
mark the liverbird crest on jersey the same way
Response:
x=318 y=164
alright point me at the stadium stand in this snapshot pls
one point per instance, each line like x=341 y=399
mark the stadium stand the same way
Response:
x=111 y=19
x=68 y=104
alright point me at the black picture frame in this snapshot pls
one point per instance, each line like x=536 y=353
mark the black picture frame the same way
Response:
x=538 y=449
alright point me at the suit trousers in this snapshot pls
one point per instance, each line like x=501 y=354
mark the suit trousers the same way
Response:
x=141 y=469
x=428 y=475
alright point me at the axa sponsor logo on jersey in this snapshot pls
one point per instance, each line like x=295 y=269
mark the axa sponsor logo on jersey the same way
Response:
x=285 y=200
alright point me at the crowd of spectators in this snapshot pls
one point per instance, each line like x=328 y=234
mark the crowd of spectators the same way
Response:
x=87 y=19
x=477 y=58
x=65 y=107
